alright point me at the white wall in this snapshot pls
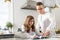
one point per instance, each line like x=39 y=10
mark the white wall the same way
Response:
x=20 y=15
x=57 y=17
x=10 y=11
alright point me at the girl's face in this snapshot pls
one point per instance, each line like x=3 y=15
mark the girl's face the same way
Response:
x=31 y=22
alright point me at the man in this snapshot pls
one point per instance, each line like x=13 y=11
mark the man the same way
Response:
x=51 y=4
x=45 y=23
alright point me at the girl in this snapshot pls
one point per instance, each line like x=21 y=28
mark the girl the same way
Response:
x=29 y=27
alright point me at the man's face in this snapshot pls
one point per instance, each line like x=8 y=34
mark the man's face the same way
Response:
x=40 y=9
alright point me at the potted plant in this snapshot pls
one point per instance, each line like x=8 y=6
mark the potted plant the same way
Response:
x=9 y=25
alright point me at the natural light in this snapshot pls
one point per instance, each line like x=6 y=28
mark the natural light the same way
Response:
x=3 y=13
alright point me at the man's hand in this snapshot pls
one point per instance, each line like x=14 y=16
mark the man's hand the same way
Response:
x=47 y=33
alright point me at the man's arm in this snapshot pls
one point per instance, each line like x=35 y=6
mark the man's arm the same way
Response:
x=50 y=28
x=47 y=33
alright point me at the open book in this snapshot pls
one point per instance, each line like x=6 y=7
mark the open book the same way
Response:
x=41 y=37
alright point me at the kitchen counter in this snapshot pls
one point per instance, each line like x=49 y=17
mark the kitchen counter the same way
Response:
x=55 y=37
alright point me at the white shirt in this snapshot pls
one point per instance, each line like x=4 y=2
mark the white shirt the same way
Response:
x=45 y=22
x=31 y=34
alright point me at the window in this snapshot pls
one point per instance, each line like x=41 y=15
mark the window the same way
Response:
x=3 y=13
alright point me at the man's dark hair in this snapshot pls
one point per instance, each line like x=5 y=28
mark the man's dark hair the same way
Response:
x=39 y=3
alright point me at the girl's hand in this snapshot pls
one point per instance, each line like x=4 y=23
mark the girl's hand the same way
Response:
x=35 y=36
